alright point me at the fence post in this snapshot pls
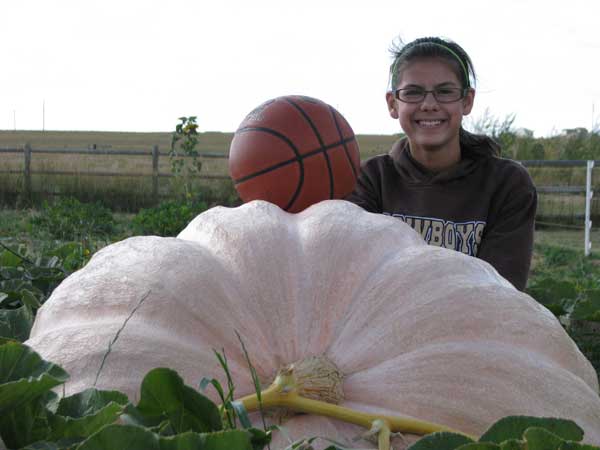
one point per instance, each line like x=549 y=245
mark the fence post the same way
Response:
x=588 y=207
x=27 y=171
x=155 y=155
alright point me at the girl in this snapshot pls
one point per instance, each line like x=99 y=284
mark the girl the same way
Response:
x=448 y=184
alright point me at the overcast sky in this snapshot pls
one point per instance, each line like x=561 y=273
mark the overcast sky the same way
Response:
x=139 y=65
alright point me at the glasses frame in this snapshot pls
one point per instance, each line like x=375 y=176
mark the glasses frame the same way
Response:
x=463 y=93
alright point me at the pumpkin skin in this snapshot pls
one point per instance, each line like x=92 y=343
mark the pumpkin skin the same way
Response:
x=416 y=330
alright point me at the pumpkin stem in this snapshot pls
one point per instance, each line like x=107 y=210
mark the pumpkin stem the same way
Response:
x=297 y=390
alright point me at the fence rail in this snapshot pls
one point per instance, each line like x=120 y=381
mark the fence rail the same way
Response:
x=155 y=154
x=27 y=152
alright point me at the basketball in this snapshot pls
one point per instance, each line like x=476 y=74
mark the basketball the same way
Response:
x=294 y=151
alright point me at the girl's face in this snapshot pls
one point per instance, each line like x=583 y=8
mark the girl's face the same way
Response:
x=430 y=126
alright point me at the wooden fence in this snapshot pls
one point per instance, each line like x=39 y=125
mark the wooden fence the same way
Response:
x=155 y=154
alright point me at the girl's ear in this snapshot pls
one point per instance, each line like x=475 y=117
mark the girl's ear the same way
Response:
x=391 y=102
x=468 y=102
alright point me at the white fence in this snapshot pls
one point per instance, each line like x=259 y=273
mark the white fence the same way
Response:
x=587 y=189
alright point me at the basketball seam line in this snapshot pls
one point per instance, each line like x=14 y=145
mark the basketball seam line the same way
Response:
x=318 y=135
x=298 y=159
x=337 y=125
x=294 y=149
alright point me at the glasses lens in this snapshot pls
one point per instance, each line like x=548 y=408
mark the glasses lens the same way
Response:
x=410 y=95
x=446 y=95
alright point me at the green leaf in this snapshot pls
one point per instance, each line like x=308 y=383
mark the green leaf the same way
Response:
x=442 y=440
x=28 y=298
x=480 y=446
x=83 y=414
x=219 y=440
x=570 y=445
x=512 y=444
x=16 y=323
x=9 y=259
x=26 y=423
x=163 y=393
x=541 y=439
x=128 y=437
x=43 y=445
x=587 y=309
x=132 y=437
x=556 y=295
x=24 y=375
x=513 y=427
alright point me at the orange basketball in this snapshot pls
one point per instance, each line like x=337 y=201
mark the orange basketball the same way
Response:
x=294 y=151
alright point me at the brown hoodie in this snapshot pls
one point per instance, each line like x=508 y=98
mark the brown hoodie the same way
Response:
x=482 y=206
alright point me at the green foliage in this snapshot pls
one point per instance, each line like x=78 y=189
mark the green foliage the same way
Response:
x=568 y=284
x=168 y=218
x=69 y=219
x=183 y=155
x=169 y=415
x=172 y=415
x=27 y=281
x=512 y=433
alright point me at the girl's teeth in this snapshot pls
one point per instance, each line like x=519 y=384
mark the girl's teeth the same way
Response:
x=429 y=123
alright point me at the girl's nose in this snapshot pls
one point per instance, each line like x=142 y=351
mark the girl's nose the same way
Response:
x=429 y=102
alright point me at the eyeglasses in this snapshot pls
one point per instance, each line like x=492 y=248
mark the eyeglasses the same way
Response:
x=442 y=94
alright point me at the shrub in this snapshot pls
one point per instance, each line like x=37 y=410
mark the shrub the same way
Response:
x=168 y=218
x=69 y=219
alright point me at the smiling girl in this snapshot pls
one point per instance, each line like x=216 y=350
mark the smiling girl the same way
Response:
x=448 y=184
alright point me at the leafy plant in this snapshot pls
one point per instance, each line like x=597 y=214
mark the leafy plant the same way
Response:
x=27 y=281
x=168 y=218
x=183 y=155
x=69 y=219
x=568 y=284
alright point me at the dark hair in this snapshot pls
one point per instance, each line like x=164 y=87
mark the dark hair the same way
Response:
x=436 y=47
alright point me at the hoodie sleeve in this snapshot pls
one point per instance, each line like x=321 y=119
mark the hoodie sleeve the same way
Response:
x=507 y=242
x=367 y=193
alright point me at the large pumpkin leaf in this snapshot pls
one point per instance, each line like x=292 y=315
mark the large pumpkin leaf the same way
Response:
x=570 y=445
x=27 y=423
x=442 y=440
x=24 y=375
x=137 y=438
x=163 y=394
x=514 y=427
x=82 y=414
x=512 y=444
x=480 y=446
x=16 y=323
x=541 y=439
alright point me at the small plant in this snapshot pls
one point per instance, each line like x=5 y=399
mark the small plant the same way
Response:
x=168 y=218
x=69 y=219
x=183 y=147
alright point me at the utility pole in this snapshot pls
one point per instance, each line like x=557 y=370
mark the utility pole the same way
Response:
x=15 y=119
x=43 y=115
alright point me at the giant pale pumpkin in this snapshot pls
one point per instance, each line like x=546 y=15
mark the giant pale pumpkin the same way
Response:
x=406 y=328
